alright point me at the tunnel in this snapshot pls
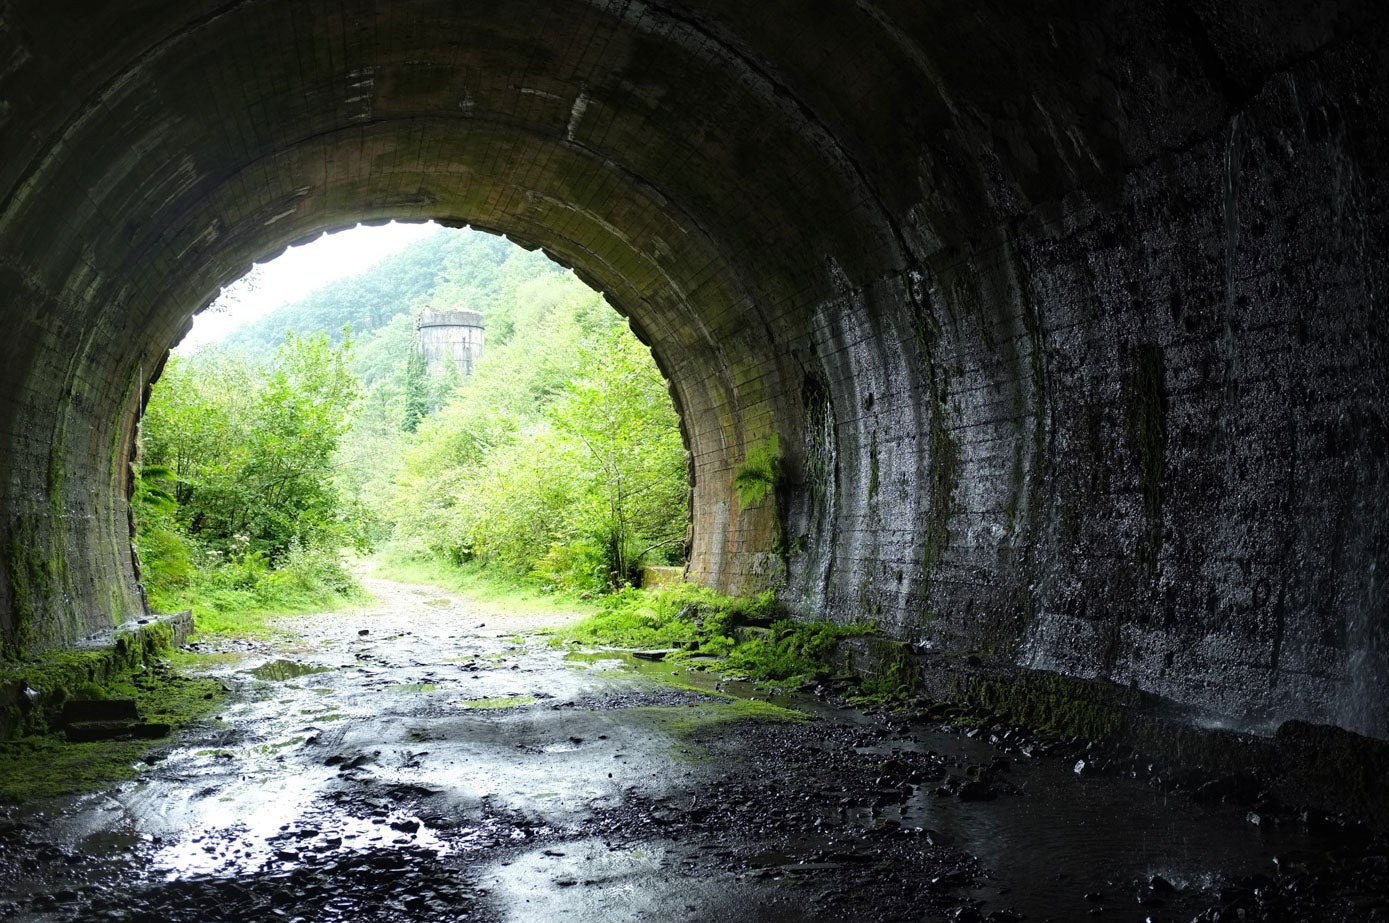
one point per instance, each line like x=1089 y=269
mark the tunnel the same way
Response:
x=1066 y=322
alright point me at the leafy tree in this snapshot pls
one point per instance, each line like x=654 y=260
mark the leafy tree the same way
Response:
x=634 y=485
x=450 y=269
x=560 y=457
x=252 y=449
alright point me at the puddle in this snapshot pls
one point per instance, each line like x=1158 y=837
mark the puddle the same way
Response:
x=243 y=849
x=1063 y=837
x=277 y=671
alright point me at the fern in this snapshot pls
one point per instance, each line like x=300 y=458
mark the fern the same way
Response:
x=760 y=471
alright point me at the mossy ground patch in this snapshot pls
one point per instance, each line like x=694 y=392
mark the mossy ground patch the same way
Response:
x=41 y=765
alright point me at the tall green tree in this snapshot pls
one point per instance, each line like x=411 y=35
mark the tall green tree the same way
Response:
x=417 y=402
x=560 y=457
x=633 y=485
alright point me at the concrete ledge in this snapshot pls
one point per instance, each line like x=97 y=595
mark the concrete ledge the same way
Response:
x=33 y=692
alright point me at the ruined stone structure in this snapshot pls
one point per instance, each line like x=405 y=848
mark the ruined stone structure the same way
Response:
x=449 y=337
x=1069 y=319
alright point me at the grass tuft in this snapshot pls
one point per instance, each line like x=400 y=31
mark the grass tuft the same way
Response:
x=696 y=621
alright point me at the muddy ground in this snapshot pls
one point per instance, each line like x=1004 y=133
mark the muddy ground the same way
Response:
x=428 y=758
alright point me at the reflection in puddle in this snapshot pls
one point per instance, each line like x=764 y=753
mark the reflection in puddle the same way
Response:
x=277 y=671
x=242 y=848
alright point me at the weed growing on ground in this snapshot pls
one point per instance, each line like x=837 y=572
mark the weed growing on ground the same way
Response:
x=894 y=681
x=691 y=621
x=791 y=653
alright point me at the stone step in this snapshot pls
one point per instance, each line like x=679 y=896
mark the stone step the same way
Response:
x=78 y=711
x=89 y=731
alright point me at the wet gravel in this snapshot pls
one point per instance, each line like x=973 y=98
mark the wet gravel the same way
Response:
x=805 y=807
x=405 y=764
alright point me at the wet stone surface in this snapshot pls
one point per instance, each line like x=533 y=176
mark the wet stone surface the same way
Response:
x=427 y=760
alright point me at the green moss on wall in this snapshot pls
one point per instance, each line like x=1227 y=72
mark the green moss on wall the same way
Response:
x=58 y=675
x=44 y=764
x=1051 y=703
x=944 y=458
x=944 y=477
x=1147 y=437
x=889 y=676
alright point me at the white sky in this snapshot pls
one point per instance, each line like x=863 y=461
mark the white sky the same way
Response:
x=298 y=271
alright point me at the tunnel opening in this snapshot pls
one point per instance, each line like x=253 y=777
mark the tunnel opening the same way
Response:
x=365 y=415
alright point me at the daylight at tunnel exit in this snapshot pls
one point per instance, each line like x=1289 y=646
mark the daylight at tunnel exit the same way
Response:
x=694 y=461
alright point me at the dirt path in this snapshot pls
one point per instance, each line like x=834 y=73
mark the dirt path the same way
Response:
x=441 y=613
x=422 y=759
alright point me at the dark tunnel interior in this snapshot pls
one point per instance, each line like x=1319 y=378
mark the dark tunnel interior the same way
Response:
x=1069 y=319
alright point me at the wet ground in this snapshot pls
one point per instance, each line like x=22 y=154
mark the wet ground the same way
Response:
x=427 y=759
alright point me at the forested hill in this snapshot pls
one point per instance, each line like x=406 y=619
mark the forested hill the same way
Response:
x=448 y=270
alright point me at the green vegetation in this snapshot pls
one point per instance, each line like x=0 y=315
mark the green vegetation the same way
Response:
x=559 y=461
x=478 y=583
x=500 y=702
x=893 y=678
x=693 y=621
x=758 y=474
x=684 y=721
x=38 y=760
x=237 y=508
x=558 y=464
x=682 y=616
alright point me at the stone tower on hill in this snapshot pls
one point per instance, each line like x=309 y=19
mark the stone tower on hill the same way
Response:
x=450 y=337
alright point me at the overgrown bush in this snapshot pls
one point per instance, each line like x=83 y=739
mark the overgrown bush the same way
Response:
x=697 y=621
x=236 y=505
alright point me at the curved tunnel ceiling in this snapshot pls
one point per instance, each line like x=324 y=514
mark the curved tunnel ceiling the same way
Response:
x=1067 y=327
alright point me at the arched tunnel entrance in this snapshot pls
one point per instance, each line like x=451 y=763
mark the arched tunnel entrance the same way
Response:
x=1068 y=328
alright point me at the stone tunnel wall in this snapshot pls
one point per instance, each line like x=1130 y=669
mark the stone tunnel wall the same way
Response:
x=1068 y=325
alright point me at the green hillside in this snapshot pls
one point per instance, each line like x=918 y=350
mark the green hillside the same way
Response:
x=451 y=269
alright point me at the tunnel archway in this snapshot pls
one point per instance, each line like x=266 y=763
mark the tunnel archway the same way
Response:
x=1067 y=328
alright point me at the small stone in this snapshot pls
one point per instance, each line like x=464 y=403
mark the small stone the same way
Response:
x=363 y=632
x=976 y=790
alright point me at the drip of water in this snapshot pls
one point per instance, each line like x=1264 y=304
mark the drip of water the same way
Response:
x=1230 y=190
